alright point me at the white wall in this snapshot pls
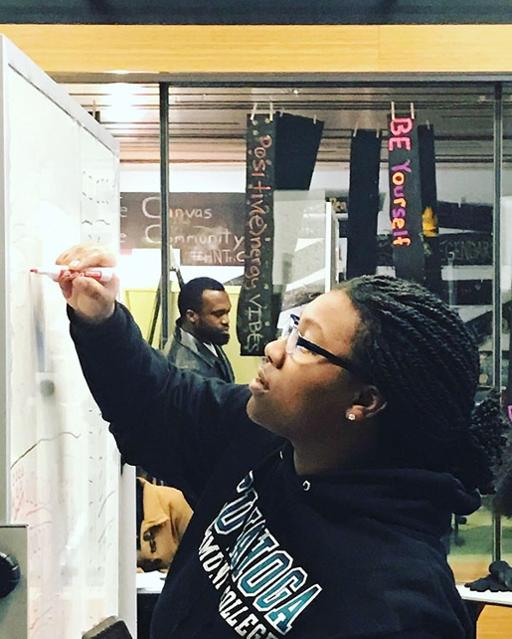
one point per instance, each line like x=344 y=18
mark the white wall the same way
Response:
x=184 y=178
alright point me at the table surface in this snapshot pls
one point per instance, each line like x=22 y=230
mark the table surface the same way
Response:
x=150 y=582
x=492 y=598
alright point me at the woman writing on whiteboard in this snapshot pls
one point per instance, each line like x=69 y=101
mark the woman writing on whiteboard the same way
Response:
x=321 y=492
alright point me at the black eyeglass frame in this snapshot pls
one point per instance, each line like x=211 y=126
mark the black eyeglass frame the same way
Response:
x=314 y=348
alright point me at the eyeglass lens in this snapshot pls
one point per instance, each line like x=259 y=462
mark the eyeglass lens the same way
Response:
x=291 y=333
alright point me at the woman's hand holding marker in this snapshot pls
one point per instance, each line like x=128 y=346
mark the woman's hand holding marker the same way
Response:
x=92 y=300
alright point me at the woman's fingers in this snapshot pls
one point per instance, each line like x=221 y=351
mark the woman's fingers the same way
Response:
x=83 y=256
x=93 y=300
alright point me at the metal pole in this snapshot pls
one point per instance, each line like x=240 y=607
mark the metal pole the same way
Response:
x=164 y=209
x=496 y=231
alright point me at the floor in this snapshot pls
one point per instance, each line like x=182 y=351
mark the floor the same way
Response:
x=495 y=622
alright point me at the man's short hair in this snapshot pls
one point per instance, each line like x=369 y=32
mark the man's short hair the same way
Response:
x=190 y=296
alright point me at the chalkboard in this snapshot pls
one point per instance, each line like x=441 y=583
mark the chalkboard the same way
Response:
x=207 y=228
x=59 y=187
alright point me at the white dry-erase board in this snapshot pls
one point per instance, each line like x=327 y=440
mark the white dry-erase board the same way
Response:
x=58 y=463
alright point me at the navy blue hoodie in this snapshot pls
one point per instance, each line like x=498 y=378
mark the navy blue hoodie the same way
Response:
x=268 y=553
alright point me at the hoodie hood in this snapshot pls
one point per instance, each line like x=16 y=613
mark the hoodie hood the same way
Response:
x=420 y=500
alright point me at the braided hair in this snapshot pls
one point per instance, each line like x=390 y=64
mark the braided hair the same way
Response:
x=425 y=363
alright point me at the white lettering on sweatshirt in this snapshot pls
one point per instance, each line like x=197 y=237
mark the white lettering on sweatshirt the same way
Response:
x=262 y=591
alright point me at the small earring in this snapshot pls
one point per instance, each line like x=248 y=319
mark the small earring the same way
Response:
x=351 y=417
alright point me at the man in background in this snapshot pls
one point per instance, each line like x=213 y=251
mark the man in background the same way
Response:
x=202 y=329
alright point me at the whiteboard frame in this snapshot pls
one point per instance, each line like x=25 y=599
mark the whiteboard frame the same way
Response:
x=5 y=351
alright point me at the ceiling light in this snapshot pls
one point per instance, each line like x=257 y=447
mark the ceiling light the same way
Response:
x=120 y=103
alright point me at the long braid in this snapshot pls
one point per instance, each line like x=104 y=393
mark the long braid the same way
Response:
x=425 y=363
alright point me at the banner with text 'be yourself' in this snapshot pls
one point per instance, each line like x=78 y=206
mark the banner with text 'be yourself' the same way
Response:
x=405 y=199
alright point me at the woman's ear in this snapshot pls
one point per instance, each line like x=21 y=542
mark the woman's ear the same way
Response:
x=368 y=403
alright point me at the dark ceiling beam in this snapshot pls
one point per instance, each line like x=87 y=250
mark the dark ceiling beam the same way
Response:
x=263 y=12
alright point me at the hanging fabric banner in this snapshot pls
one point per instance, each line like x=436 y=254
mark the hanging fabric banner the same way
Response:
x=426 y=140
x=254 y=325
x=363 y=203
x=296 y=148
x=465 y=217
x=405 y=198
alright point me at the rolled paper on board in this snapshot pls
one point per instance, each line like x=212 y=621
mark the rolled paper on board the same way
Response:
x=100 y=274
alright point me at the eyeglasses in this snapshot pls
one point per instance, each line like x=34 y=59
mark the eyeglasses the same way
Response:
x=296 y=345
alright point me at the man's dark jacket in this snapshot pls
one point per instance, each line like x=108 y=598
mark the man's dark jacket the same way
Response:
x=187 y=352
x=354 y=554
